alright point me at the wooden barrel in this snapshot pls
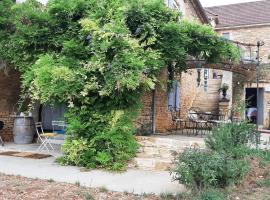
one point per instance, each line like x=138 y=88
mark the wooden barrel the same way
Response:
x=23 y=130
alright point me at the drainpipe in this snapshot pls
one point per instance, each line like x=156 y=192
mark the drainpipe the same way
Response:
x=259 y=44
x=154 y=111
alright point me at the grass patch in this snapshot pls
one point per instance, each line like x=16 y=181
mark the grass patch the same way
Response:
x=264 y=183
x=212 y=195
x=167 y=196
x=103 y=189
x=88 y=196
x=263 y=154
x=51 y=180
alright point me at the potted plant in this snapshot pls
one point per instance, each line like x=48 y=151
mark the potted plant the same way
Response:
x=224 y=88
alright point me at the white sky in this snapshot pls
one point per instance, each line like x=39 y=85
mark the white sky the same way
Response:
x=207 y=3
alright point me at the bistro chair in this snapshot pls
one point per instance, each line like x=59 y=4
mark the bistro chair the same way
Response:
x=178 y=122
x=1 y=128
x=59 y=127
x=44 y=138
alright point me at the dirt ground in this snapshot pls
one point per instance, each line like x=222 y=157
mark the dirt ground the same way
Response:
x=19 y=188
x=250 y=189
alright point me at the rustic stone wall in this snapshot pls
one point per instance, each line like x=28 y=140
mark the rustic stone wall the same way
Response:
x=188 y=90
x=252 y=35
x=9 y=96
x=163 y=116
x=191 y=13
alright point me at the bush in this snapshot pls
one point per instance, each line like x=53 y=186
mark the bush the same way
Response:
x=224 y=163
x=109 y=146
x=200 y=169
x=212 y=195
x=232 y=138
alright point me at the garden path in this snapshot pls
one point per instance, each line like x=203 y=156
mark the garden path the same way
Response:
x=133 y=181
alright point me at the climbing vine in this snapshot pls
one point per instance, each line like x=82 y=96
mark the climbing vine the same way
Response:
x=99 y=57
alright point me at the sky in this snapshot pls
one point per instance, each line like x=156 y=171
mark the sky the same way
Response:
x=207 y=3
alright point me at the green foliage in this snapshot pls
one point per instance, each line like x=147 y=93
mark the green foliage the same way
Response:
x=99 y=57
x=232 y=138
x=224 y=87
x=263 y=182
x=224 y=163
x=109 y=141
x=263 y=154
x=200 y=169
x=212 y=195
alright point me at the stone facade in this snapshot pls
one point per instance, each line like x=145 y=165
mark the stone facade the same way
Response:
x=188 y=90
x=9 y=96
x=252 y=34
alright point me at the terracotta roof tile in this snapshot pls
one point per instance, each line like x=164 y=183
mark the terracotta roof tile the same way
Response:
x=250 y=13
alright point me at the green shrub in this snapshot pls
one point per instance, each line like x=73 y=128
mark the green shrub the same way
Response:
x=263 y=154
x=110 y=147
x=232 y=138
x=212 y=195
x=200 y=169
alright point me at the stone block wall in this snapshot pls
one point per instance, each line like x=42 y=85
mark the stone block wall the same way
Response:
x=188 y=82
x=252 y=35
x=163 y=116
x=9 y=96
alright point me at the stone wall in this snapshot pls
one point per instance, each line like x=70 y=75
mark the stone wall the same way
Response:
x=191 y=13
x=188 y=92
x=252 y=35
x=9 y=96
x=163 y=117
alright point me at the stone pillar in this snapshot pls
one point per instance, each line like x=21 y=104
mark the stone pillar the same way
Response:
x=224 y=109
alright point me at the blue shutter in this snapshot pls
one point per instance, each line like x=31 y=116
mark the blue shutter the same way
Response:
x=174 y=97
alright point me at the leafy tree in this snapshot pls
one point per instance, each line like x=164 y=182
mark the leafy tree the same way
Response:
x=99 y=57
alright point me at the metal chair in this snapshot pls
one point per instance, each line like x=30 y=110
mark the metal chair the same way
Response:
x=1 y=127
x=59 y=127
x=44 y=138
x=177 y=121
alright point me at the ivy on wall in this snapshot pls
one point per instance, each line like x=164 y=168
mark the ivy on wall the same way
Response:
x=99 y=57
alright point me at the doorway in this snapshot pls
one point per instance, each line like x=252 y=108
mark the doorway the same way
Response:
x=253 y=113
x=52 y=113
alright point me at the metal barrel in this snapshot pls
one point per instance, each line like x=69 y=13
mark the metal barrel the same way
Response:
x=23 y=130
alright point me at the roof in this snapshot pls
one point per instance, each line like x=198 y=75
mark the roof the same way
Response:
x=241 y=14
x=201 y=10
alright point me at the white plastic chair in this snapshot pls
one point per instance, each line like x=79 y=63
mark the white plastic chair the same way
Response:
x=44 y=138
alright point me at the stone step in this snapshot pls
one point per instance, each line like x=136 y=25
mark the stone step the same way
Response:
x=157 y=153
x=153 y=164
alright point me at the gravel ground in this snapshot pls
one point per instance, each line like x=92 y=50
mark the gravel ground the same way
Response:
x=20 y=188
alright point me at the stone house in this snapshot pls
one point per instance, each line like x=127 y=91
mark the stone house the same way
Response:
x=248 y=23
x=156 y=116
